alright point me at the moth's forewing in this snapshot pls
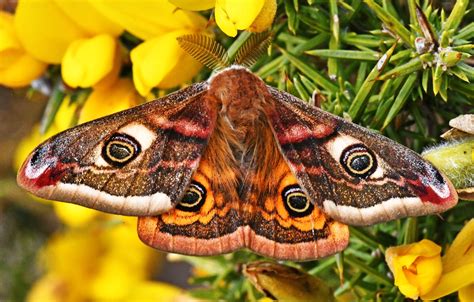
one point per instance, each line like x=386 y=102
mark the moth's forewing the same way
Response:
x=354 y=175
x=136 y=162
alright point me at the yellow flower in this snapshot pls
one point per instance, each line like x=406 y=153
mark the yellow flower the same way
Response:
x=416 y=267
x=265 y=18
x=47 y=28
x=17 y=67
x=419 y=270
x=234 y=15
x=458 y=267
x=160 y=62
x=100 y=261
x=106 y=100
x=148 y=19
x=194 y=4
x=54 y=31
x=87 y=61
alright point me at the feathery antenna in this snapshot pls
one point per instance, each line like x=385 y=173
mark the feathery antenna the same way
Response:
x=253 y=49
x=206 y=50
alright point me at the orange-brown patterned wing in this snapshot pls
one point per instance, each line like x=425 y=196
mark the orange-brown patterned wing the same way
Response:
x=204 y=222
x=207 y=220
x=286 y=225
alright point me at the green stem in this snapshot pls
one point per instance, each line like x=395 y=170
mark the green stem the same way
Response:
x=365 y=237
x=368 y=270
x=411 y=230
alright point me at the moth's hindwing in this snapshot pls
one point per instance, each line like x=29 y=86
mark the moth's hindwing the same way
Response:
x=136 y=162
x=354 y=175
x=285 y=226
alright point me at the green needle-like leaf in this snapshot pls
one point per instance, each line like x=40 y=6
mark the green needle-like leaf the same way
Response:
x=456 y=15
x=52 y=107
x=361 y=98
x=401 y=99
x=311 y=72
x=409 y=67
x=381 y=278
x=346 y=54
x=292 y=16
x=391 y=22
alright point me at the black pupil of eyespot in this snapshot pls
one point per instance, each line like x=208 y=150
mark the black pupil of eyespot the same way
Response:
x=296 y=202
x=439 y=177
x=119 y=151
x=360 y=163
x=193 y=199
x=190 y=197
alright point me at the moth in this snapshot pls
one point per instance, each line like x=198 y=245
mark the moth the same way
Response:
x=231 y=163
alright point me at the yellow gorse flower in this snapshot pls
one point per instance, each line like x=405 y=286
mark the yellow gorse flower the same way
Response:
x=419 y=270
x=48 y=27
x=101 y=261
x=416 y=267
x=17 y=67
x=158 y=61
x=234 y=15
x=458 y=267
x=55 y=31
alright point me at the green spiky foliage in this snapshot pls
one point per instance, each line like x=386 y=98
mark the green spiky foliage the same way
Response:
x=401 y=68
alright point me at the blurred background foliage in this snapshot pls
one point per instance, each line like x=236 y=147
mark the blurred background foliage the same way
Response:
x=403 y=68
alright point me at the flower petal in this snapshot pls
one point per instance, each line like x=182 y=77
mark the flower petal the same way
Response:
x=461 y=252
x=17 y=68
x=466 y=293
x=21 y=71
x=74 y=215
x=451 y=282
x=265 y=18
x=87 y=61
x=96 y=24
x=155 y=60
x=44 y=30
x=458 y=264
x=416 y=267
x=117 y=97
x=183 y=72
x=194 y=4
x=233 y=15
x=8 y=39
x=148 y=19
